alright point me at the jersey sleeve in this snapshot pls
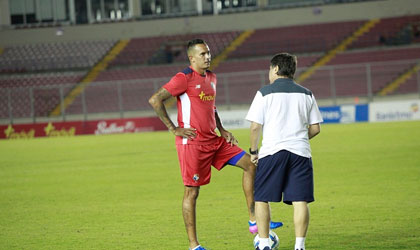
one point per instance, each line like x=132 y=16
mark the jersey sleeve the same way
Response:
x=177 y=85
x=256 y=111
x=314 y=114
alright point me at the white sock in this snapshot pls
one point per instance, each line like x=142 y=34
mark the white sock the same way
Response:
x=253 y=222
x=264 y=242
x=196 y=247
x=300 y=243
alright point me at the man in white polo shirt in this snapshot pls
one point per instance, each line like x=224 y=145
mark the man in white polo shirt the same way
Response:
x=288 y=116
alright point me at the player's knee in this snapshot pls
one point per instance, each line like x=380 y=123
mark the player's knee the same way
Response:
x=300 y=205
x=191 y=193
x=250 y=167
x=246 y=164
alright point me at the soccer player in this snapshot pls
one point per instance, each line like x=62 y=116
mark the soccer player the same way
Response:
x=197 y=143
x=288 y=116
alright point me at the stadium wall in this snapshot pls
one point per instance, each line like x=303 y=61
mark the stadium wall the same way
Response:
x=226 y=22
x=231 y=119
x=394 y=111
x=234 y=119
x=98 y=127
x=385 y=111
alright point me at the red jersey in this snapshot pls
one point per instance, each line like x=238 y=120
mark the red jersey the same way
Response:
x=196 y=104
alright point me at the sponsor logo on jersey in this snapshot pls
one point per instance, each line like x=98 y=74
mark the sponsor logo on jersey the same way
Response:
x=205 y=97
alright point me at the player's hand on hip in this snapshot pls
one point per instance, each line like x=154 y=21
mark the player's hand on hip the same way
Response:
x=254 y=159
x=229 y=137
x=189 y=133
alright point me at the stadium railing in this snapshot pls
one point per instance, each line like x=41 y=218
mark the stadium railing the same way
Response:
x=122 y=98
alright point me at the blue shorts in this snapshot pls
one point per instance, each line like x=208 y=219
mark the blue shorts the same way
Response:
x=284 y=173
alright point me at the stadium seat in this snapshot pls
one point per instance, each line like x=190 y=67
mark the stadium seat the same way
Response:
x=295 y=39
x=39 y=71
x=386 y=32
x=53 y=56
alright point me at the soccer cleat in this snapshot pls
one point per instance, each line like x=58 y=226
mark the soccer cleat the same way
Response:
x=199 y=247
x=265 y=248
x=254 y=229
x=274 y=225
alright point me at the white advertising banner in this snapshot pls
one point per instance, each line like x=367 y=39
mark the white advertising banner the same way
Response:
x=394 y=111
x=231 y=119
x=348 y=114
x=234 y=119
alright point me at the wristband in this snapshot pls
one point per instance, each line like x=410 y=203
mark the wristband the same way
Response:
x=253 y=152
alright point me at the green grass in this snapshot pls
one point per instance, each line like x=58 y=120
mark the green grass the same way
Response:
x=125 y=192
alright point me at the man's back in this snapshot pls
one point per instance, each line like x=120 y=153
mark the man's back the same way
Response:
x=285 y=109
x=288 y=115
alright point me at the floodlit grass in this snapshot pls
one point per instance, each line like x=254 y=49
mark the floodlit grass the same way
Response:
x=125 y=192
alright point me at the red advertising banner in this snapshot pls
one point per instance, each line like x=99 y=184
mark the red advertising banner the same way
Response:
x=98 y=127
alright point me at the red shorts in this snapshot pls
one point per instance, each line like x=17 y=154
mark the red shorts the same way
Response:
x=196 y=160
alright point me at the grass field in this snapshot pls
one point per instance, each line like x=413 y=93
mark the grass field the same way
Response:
x=125 y=191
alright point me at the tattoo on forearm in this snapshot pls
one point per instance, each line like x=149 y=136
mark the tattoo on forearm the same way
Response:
x=163 y=115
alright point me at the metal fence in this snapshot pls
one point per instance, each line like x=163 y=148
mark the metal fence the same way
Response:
x=126 y=98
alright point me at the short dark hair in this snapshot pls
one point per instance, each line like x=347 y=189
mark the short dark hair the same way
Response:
x=194 y=42
x=287 y=64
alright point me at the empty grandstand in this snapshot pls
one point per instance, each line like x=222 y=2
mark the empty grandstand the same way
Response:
x=111 y=68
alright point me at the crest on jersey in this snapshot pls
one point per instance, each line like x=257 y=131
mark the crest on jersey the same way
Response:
x=197 y=86
x=196 y=177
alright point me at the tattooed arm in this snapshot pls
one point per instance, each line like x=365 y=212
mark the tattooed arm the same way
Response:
x=157 y=101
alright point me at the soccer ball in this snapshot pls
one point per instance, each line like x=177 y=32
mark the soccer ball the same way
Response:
x=273 y=239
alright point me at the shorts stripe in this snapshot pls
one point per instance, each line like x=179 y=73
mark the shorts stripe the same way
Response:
x=236 y=158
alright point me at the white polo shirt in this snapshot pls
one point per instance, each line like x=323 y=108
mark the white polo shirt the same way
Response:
x=285 y=109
